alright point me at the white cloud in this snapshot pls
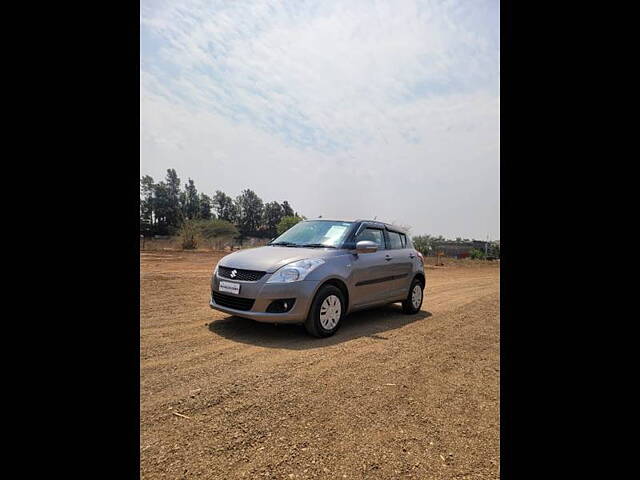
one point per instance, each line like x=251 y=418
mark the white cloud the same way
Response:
x=343 y=108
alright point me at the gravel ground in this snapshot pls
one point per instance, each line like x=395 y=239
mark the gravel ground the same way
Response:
x=389 y=396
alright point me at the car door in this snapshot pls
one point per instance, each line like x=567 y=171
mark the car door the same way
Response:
x=400 y=259
x=371 y=272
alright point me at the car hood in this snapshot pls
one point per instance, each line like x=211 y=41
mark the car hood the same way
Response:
x=269 y=259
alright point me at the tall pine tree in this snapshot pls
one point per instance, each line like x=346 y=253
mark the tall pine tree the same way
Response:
x=173 y=211
x=205 y=207
x=250 y=209
x=146 y=205
x=287 y=210
x=190 y=201
x=273 y=213
x=225 y=207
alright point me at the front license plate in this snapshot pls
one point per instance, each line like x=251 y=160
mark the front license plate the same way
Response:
x=230 y=287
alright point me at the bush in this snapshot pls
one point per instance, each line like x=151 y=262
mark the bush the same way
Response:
x=211 y=229
x=287 y=222
x=422 y=243
x=477 y=254
x=212 y=233
x=189 y=233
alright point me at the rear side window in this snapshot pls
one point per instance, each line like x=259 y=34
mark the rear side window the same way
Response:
x=403 y=239
x=372 y=234
x=395 y=241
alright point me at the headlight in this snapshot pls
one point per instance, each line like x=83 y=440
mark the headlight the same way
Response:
x=296 y=271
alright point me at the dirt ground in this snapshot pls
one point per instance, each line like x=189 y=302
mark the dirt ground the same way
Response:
x=389 y=396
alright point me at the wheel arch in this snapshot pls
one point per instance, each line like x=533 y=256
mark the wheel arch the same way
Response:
x=420 y=276
x=340 y=285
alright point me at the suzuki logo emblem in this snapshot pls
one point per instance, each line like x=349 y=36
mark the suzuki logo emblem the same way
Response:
x=233 y=273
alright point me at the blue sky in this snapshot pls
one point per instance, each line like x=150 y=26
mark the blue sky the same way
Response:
x=345 y=108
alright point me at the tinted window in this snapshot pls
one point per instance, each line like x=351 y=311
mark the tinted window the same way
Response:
x=403 y=238
x=372 y=234
x=394 y=240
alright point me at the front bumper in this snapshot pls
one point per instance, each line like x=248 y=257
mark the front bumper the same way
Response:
x=264 y=293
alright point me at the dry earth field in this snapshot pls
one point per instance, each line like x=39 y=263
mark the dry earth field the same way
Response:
x=389 y=396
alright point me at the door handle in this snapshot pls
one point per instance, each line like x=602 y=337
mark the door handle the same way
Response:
x=387 y=258
x=411 y=255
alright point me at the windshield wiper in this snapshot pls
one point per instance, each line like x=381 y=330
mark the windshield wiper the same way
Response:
x=284 y=244
x=316 y=245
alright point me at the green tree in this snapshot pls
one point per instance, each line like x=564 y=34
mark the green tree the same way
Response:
x=422 y=243
x=161 y=208
x=250 y=208
x=273 y=213
x=146 y=205
x=190 y=202
x=173 y=182
x=205 y=207
x=287 y=222
x=225 y=207
x=287 y=211
x=173 y=212
x=183 y=204
x=477 y=254
x=494 y=249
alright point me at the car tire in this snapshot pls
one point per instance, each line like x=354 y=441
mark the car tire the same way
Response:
x=326 y=312
x=413 y=303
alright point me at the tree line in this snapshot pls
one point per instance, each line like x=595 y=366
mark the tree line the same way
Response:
x=165 y=207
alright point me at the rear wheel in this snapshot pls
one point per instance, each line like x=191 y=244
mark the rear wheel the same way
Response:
x=326 y=312
x=413 y=302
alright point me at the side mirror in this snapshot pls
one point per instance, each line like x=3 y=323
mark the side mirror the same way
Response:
x=366 y=246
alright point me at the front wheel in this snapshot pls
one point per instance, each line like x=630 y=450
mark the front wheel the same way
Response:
x=326 y=312
x=413 y=301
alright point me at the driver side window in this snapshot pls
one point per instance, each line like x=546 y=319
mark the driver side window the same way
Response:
x=372 y=234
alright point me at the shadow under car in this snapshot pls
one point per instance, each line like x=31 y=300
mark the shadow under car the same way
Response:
x=364 y=323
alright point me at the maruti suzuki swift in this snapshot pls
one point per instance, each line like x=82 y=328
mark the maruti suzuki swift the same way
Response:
x=318 y=271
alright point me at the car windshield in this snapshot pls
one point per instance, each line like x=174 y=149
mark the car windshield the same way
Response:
x=314 y=233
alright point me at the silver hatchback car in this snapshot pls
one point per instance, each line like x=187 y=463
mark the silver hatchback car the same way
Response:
x=317 y=272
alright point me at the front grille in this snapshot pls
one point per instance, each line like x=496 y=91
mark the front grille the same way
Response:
x=230 y=301
x=246 y=275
